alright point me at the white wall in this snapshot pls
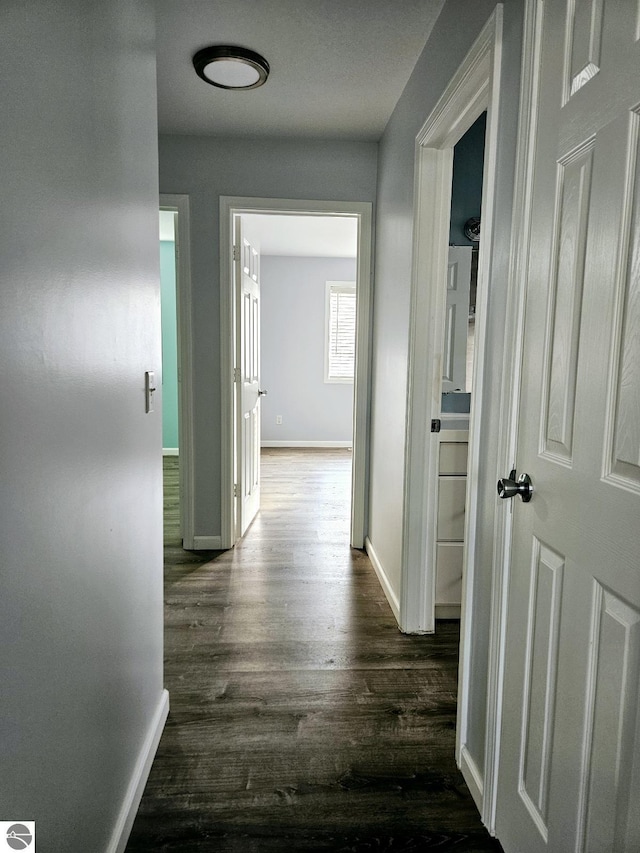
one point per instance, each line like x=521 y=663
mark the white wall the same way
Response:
x=206 y=168
x=81 y=499
x=443 y=54
x=292 y=299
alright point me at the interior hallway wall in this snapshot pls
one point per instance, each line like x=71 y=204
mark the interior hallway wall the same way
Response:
x=206 y=168
x=292 y=348
x=81 y=498
x=444 y=52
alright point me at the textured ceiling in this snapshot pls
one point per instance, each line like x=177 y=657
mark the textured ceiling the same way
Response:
x=338 y=67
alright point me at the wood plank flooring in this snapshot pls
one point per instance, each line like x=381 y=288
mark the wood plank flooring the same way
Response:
x=301 y=718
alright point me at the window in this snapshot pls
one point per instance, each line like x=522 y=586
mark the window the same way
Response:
x=340 y=337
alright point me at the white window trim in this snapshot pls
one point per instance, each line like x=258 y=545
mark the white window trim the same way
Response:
x=344 y=287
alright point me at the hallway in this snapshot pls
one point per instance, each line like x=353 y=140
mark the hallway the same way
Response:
x=301 y=718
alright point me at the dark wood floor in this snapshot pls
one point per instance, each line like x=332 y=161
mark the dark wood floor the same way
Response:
x=301 y=718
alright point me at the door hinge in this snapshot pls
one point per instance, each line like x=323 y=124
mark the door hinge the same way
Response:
x=235 y=490
x=236 y=253
x=236 y=374
x=435 y=425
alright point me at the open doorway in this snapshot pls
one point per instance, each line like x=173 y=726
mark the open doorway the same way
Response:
x=457 y=395
x=168 y=300
x=307 y=343
x=177 y=433
x=472 y=91
x=170 y=428
x=303 y=273
x=239 y=273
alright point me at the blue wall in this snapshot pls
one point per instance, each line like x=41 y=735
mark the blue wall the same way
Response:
x=169 y=344
x=466 y=191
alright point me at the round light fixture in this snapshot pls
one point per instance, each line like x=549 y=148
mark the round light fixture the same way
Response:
x=231 y=67
x=472 y=229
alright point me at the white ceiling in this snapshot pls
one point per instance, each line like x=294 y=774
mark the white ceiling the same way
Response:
x=306 y=236
x=338 y=67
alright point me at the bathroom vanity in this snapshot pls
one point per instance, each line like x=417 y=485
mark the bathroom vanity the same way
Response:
x=453 y=440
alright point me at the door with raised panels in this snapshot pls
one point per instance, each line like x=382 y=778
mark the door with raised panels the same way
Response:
x=247 y=369
x=569 y=778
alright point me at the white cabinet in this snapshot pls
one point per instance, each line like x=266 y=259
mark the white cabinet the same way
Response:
x=452 y=489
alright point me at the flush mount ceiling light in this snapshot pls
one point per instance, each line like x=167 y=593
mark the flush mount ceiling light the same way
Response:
x=231 y=67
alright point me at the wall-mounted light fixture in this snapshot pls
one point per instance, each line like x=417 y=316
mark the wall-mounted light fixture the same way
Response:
x=231 y=67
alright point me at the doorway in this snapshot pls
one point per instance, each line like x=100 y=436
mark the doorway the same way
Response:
x=473 y=90
x=458 y=358
x=232 y=209
x=307 y=334
x=304 y=279
x=168 y=298
x=175 y=269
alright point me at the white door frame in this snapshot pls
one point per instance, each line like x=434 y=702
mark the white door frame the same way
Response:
x=474 y=89
x=231 y=206
x=180 y=205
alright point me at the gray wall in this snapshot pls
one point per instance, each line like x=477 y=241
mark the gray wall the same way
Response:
x=292 y=304
x=206 y=168
x=81 y=502
x=444 y=52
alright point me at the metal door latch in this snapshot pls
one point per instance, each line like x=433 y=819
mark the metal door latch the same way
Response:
x=509 y=487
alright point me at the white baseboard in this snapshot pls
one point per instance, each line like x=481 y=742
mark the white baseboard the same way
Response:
x=207 y=543
x=392 y=598
x=286 y=443
x=447 y=611
x=472 y=777
x=171 y=451
x=131 y=803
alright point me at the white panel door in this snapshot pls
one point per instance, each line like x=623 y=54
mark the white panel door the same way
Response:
x=454 y=358
x=247 y=371
x=569 y=777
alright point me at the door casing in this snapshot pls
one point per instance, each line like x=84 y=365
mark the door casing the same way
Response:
x=231 y=206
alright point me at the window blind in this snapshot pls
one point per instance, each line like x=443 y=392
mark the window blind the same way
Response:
x=341 y=332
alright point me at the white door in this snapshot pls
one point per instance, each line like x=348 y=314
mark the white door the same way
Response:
x=569 y=776
x=247 y=372
x=454 y=356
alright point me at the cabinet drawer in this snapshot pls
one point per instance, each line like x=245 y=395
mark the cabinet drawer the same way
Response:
x=451 y=501
x=453 y=457
x=449 y=573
